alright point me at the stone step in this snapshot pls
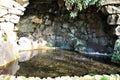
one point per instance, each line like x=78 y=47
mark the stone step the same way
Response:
x=113 y=19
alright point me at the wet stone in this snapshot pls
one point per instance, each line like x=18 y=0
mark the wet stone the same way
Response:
x=54 y=63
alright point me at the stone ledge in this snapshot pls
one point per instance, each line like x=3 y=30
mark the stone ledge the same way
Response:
x=86 y=77
x=107 y=2
x=110 y=9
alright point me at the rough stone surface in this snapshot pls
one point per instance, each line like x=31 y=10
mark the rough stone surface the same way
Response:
x=111 y=2
x=24 y=3
x=74 y=34
x=117 y=30
x=10 y=12
x=113 y=19
x=110 y=9
x=3 y=11
x=83 y=34
x=78 y=35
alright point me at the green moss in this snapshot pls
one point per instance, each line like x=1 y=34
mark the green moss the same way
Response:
x=104 y=78
x=92 y=74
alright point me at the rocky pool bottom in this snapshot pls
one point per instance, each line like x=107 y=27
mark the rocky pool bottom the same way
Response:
x=54 y=63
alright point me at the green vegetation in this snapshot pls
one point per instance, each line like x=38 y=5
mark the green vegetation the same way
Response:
x=105 y=78
x=5 y=38
x=92 y=74
x=116 y=53
x=74 y=6
x=116 y=56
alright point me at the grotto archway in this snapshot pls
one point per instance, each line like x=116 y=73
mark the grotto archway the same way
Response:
x=81 y=34
x=78 y=37
x=89 y=29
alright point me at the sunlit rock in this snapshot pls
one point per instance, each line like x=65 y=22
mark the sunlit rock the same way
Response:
x=111 y=2
x=10 y=12
x=28 y=44
x=112 y=9
x=14 y=19
x=8 y=28
x=9 y=57
x=25 y=44
x=6 y=3
x=7 y=17
x=113 y=19
x=11 y=4
x=15 y=12
x=97 y=77
x=18 y=6
x=24 y=3
x=117 y=31
x=89 y=77
x=3 y=11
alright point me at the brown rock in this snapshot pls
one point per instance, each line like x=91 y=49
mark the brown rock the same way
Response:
x=37 y=20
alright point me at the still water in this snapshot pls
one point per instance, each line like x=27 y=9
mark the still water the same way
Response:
x=53 y=63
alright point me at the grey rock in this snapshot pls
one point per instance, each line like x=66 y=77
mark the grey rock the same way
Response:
x=111 y=2
x=65 y=25
x=113 y=19
x=112 y=9
x=117 y=30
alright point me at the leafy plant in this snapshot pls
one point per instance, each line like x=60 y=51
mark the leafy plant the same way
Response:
x=4 y=36
x=116 y=53
x=77 y=5
x=73 y=14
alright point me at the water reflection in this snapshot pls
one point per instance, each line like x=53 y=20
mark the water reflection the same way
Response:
x=54 y=63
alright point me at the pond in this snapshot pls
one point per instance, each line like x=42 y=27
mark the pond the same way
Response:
x=53 y=63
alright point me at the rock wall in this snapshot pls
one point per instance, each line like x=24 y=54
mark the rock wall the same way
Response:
x=112 y=9
x=47 y=20
x=86 y=33
x=10 y=12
